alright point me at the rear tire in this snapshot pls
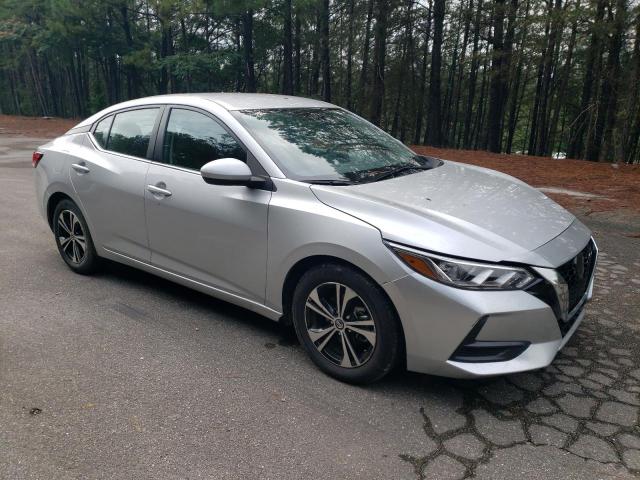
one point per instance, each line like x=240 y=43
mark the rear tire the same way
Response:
x=73 y=238
x=346 y=324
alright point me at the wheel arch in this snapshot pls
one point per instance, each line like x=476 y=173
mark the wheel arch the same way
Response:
x=52 y=202
x=58 y=192
x=295 y=273
x=305 y=264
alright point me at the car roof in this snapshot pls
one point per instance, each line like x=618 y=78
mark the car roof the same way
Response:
x=228 y=101
x=248 y=101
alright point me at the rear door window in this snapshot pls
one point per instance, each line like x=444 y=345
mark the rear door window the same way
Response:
x=131 y=132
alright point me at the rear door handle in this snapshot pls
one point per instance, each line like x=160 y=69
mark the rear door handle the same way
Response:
x=80 y=168
x=159 y=190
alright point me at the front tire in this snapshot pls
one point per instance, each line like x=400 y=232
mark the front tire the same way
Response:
x=73 y=238
x=346 y=323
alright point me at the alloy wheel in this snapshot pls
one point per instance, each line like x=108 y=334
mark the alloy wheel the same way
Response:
x=340 y=325
x=71 y=237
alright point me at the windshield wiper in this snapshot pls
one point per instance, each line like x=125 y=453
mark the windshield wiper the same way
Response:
x=397 y=171
x=328 y=181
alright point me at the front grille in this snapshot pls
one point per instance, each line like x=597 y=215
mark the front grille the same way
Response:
x=577 y=273
x=566 y=326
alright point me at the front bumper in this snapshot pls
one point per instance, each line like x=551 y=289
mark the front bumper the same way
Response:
x=438 y=318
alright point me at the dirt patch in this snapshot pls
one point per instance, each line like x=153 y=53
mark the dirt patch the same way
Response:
x=585 y=187
x=46 y=127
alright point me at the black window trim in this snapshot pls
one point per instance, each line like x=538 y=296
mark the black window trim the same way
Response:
x=152 y=136
x=156 y=139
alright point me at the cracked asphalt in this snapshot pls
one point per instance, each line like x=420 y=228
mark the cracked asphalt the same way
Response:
x=124 y=375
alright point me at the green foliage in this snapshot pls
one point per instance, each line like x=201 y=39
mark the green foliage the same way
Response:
x=73 y=57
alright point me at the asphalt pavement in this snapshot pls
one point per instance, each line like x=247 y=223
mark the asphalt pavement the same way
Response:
x=125 y=375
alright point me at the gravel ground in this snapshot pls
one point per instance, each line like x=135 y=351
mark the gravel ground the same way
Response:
x=124 y=375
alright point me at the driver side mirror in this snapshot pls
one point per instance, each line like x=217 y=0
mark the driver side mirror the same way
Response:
x=230 y=171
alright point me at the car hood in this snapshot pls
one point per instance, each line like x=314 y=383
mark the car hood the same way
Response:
x=456 y=209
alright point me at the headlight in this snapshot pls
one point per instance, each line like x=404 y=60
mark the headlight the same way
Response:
x=465 y=273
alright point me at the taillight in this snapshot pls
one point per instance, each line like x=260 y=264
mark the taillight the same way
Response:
x=36 y=157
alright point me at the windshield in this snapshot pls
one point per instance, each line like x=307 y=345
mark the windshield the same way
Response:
x=316 y=144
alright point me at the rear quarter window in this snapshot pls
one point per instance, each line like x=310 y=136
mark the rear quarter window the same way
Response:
x=101 y=132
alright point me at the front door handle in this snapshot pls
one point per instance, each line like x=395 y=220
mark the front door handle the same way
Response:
x=159 y=190
x=80 y=168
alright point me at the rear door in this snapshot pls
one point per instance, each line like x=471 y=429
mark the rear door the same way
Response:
x=215 y=234
x=110 y=182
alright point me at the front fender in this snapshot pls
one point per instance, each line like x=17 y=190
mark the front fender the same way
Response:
x=300 y=226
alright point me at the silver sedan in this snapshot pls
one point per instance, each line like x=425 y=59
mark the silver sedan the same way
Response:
x=307 y=214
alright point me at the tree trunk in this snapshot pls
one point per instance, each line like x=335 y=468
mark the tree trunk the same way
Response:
x=163 y=85
x=379 y=54
x=507 y=61
x=609 y=77
x=287 y=81
x=249 y=69
x=473 y=77
x=36 y=83
x=516 y=96
x=612 y=83
x=364 y=73
x=498 y=78
x=461 y=65
x=314 y=80
x=451 y=84
x=395 y=124
x=324 y=49
x=408 y=109
x=564 y=79
x=576 y=145
x=480 y=134
x=434 y=129
x=73 y=82
x=516 y=105
x=423 y=78
x=13 y=85
x=133 y=80
x=542 y=144
x=481 y=138
x=297 y=87
x=237 y=34
x=350 y=19
x=632 y=125
x=535 y=117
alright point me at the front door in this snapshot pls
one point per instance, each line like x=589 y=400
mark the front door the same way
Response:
x=213 y=234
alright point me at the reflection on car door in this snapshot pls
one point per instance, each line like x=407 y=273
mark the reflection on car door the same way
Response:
x=110 y=181
x=213 y=234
